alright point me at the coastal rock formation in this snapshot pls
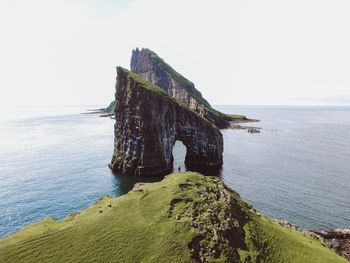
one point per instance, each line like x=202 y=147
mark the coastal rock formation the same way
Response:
x=150 y=66
x=154 y=69
x=339 y=239
x=149 y=121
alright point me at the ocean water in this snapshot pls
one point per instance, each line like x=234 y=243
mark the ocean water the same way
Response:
x=53 y=161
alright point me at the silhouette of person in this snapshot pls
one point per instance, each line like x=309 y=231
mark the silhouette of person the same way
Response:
x=179 y=169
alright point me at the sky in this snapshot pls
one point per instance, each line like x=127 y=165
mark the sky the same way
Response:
x=252 y=52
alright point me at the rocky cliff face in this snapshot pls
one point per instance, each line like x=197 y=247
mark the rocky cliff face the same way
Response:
x=149 y=121
x=154 y=69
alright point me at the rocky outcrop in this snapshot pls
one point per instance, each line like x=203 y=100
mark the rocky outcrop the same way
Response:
x=149 y=121
x=339 y=239
x=154 y=69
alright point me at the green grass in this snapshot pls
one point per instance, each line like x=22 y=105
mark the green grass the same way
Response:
x=276 y=244
x=153 y=223
x=237 y=116
x=135 y=229
x=147 y=85
x=214 y=115
x=184 y=82
x=173 y=73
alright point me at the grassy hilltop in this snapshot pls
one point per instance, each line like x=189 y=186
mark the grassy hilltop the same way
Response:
x=184 y=218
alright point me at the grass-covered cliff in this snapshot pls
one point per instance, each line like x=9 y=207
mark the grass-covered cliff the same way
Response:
x=184 y=218
x=154 y=69
x=149 y=65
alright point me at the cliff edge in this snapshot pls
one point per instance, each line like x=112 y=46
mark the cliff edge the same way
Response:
x=184 y=218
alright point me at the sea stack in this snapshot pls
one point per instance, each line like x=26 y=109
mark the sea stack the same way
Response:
x=150 y=66
x=149 y=121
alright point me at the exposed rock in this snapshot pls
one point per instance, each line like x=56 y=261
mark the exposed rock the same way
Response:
x=154 y=69
x=149 y=121
x=253 y=130
x=339 y=239
x=218 y=220
x=343 y=248
x=337 y=233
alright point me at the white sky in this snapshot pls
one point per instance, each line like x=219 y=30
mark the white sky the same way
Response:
x=64 y=52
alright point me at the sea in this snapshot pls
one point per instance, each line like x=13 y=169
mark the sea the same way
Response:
x=53 y=162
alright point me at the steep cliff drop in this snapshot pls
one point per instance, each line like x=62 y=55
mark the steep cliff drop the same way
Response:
x=150 y=66
x=149 y=121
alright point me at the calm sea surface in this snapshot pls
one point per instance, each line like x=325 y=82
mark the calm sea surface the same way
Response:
x=53 y=161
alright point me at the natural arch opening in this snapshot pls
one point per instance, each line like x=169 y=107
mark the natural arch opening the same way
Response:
x=179 y=155
x=147 y=125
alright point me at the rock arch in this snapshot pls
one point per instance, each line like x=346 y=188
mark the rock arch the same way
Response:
x=149 y=121
x=179 y=153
